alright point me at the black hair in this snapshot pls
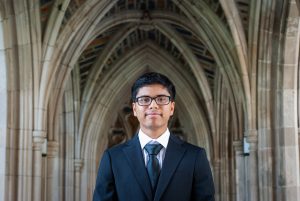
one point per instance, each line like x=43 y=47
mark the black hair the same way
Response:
x=152 y=78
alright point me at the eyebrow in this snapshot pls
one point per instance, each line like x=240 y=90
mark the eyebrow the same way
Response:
x=153 y=96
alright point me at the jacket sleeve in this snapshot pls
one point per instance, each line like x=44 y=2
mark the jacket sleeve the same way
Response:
x=105 y=189
x=203 y=185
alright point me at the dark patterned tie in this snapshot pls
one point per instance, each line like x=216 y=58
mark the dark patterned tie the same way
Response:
x=153 y=167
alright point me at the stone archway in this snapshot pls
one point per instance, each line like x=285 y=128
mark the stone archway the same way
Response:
x=118 y=86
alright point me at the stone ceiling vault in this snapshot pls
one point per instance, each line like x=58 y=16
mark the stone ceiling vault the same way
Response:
x=88 y=38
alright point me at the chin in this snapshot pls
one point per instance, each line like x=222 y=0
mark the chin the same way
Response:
x=154 y=127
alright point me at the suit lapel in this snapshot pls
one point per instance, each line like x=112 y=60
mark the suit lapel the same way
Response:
x=174 y=154
x=136 y=162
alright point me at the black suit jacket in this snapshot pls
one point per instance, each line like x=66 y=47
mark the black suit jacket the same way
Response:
x=185 y=174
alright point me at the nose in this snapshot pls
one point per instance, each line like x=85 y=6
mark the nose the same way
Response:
x=153 y=104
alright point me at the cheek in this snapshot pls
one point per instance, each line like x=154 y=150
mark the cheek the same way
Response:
x=136 y=111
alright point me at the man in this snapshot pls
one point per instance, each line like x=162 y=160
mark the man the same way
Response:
x=154 y=165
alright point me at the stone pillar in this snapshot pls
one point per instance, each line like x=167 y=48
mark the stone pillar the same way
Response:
x=240 y=179
x=286 y=142
x=38 y=140
x=287 y=162
x=78 y=163
x=4 y=103
x=52 y=193
x=251 y=167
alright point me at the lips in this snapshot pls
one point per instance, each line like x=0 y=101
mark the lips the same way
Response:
x=153 y=114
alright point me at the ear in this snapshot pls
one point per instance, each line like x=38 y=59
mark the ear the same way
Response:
x=134 y=109
x=172 y=108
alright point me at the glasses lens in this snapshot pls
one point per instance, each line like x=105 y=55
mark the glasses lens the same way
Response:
x=144 y=100
x=162 y=100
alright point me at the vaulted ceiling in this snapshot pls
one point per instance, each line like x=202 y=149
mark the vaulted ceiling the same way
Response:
x=148 y=11
x=193 y=34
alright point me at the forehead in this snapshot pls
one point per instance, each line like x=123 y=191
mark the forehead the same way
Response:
x=152 y=90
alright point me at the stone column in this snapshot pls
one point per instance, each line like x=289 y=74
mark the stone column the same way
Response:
x=38 y=140
x=240 y=181
x=78 y=163
x=286 y=141
x=52 y=193
x=252 y=167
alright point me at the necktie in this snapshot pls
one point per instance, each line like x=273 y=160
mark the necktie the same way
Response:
x=153 y=167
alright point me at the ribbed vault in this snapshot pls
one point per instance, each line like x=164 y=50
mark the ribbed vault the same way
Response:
x=124 y=73
x=105 y=45
x=170 y=39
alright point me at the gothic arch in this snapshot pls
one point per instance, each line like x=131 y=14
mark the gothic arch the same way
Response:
x=149 y=58
x=234 y=80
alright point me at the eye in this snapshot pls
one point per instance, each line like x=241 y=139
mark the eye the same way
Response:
x=144 y=99
x=161 y=99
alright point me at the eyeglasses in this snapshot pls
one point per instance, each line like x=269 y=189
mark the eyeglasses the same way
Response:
x=147 y=100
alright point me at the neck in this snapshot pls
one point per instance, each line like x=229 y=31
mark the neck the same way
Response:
x=154 y=133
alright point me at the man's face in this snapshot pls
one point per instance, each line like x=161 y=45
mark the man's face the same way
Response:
x=153 y=117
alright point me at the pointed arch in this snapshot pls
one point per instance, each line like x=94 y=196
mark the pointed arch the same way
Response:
x=105 y=103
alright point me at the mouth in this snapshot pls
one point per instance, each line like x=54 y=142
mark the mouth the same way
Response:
x=153 y=114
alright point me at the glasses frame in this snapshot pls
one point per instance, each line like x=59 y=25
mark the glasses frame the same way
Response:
x=152 y=98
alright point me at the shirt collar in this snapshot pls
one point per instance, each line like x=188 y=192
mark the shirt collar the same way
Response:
x=163 y=139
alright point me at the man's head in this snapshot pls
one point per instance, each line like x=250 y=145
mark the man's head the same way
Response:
x=153 y=104
x=150 y=79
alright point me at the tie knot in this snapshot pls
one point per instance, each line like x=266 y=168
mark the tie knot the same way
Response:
x=153 y=149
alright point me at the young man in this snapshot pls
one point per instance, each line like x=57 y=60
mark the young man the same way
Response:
x=154 y=165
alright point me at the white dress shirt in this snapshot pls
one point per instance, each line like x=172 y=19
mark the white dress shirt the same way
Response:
x=163 y=140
